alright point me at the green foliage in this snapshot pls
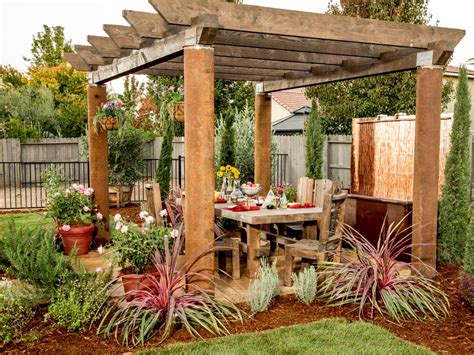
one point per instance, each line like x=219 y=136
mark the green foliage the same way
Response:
x=14 y=129
x=227 y=145
x=163 y=170
x=263 y=289
x=49 y=46
x=77 y=302
x=369 y=97
x=126 y=156
x=34 y=258
x=11 y=78
x=314 y=144
x=15 y=312
x=454 y=202
x=132 y=90
x=468 y=262
x=135 y=245
x=69 y=89
x=290 y=192
x=52 y=179
x=305 y=285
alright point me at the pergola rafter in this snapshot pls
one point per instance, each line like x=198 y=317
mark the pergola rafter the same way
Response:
x=278 y=49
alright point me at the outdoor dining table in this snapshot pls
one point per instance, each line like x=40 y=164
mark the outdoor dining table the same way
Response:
x=258 y=221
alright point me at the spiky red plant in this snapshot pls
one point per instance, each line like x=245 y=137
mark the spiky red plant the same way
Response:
x=374 y=279
x=167 y=302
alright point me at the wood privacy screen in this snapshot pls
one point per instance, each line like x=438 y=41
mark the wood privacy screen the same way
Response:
x=382 y=156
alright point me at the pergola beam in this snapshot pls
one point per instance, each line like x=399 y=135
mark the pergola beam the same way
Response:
x=125 y=36
x=159 y=51
x=408 y=62
x=106 y=47
x=90 y=55
x=77 y=62
x=257 y=19
x=225 y=76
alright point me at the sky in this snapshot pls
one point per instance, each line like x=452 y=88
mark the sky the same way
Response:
x=21 y=19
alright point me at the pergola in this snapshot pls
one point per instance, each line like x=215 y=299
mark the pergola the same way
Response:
x=277 y=49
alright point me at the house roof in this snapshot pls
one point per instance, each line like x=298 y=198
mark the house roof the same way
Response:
x=454 y=71
x=291 y=100
x=293 y=123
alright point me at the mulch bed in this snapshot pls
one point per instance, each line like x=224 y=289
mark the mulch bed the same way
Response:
x=454 y=335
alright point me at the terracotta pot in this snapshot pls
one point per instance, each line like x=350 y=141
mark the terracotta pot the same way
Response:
x=79 y=236
x=136 y=282
x=109 y=123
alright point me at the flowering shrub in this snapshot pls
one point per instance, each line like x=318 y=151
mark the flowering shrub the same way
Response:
x=135 y=244
x=73 y=206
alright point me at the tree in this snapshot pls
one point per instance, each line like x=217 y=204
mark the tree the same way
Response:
x=454 y=203
x=11 y=78
x=163 y=171
x=314 y=144
x=468 y=261
x=369 y=97
x=132 y=90
x=227 y=145
x=49 y=46
x=68 y=87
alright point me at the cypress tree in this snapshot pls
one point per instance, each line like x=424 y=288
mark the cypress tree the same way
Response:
x=163 y=171
x=469 y=252
x=314 y=144
x=227 y=148
x=454 y=203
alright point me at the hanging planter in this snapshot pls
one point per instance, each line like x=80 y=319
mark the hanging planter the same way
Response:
x=176 y=110
x=110 y=116
x=109 y=123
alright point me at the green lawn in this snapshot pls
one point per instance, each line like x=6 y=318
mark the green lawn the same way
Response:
x=328 y=336
x=24 y=219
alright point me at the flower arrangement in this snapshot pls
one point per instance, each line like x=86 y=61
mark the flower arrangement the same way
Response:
x=135 y=244
x=73 y=207
x=111 y=115
x=229 y=172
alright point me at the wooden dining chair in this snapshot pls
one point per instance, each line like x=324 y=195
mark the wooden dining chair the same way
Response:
x=330 y=236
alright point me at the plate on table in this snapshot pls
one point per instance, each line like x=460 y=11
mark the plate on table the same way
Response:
x=220 y=200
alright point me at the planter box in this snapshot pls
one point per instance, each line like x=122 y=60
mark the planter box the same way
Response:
x=120 y=195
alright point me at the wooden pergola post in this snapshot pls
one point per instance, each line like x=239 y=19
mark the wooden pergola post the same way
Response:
x=199 y=152
x=98 y=159
x=263 y=141
x=426 y=168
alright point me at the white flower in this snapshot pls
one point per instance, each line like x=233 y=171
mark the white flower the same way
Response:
x=109 y=264
x=56 y=194
x=99 y=216
x=87 y=192
x=118 y=226
x=86 y=209
x=124 y=229
x=149 y=219
x=101 y=250
x=143 y=214
x=117 y=217
x=163 y=213
x=66 y=228
x=99 y=270
x=67 y=191
x=174 y=233
x=75 y=186
x=90 y=189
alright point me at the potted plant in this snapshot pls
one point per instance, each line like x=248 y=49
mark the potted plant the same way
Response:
x=135 y=246
x=111 y=115
x=75 y=217
x=174 y=100
x=126 y=163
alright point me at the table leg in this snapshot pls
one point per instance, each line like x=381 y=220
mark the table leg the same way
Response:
x=253 y=242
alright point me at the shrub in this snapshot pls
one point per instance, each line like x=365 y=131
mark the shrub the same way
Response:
x=77 y=302
x=314 y=142
x=167 y=302
x=227 y=144
x=33 y=256
x=454 y=202
x=15 y=312
x=467 y=288
x=262 y=290
x=305 y=285
x=163 y=170
x=135 y=245
x=374 y=279
x=468 y=262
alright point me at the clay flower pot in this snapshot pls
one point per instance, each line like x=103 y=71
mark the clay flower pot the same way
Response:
x=77 y=236
x=136 y=282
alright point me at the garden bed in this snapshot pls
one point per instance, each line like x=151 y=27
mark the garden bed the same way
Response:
x=453 y=335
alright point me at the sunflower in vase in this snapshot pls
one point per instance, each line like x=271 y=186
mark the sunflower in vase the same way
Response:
x=230 y=176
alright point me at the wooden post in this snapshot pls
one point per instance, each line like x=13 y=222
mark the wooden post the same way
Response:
x=263 y=141
x=426 y=168
x=199 y=152
x=98 y=159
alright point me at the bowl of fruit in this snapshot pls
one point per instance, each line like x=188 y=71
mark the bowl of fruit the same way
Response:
x=250 y=189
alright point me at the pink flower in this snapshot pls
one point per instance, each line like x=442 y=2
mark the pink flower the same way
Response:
x=149 y=220
x=124 y=229
x=86 y=209
x=90 y=189
x=174 y=233
x=163 y=213
x=99 y=270
x=143 y=214
x=99 y=216
x=87 y=192
x=75 y=186
x=101 y=250
x=66 y=227
x=117 y=217
x=118 y=226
